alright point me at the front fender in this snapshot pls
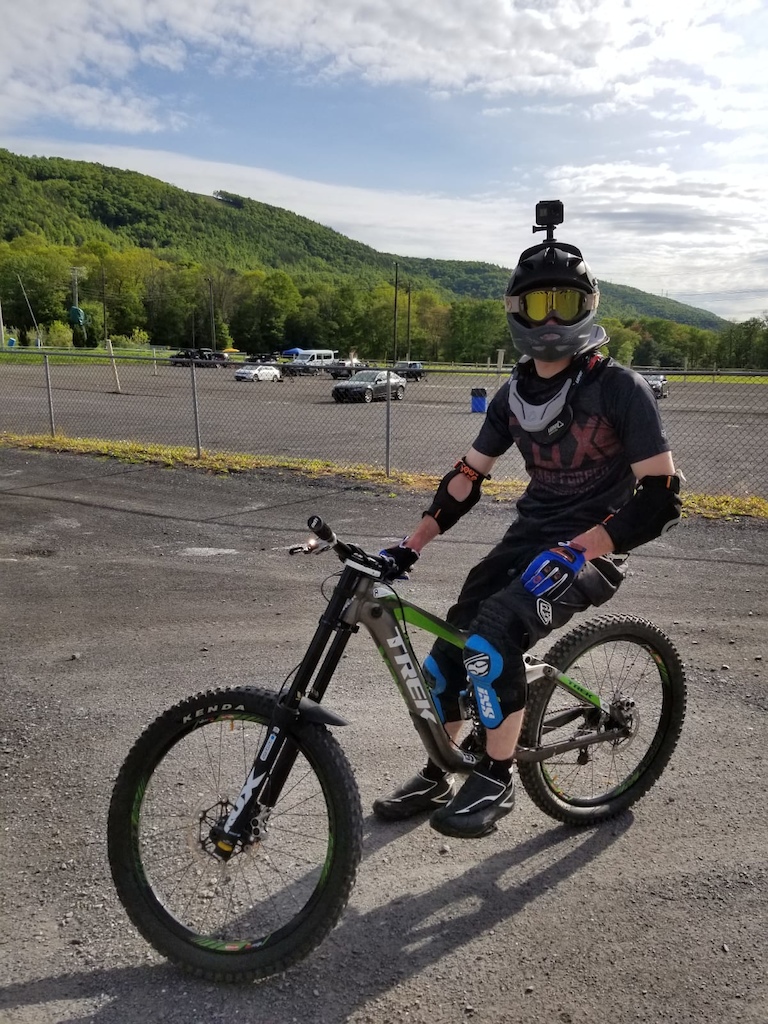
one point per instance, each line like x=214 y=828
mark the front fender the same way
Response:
x=311 y=711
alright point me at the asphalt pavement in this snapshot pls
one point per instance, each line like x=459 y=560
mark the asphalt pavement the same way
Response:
x=125 y=588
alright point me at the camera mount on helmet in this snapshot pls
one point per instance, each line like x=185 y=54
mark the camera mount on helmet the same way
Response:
x=549 y=213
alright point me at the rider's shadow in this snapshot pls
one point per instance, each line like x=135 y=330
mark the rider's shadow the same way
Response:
x=402 y=938
x=413 y=932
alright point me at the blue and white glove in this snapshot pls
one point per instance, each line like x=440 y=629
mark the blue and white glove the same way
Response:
x=401 y=559
x=552 y=572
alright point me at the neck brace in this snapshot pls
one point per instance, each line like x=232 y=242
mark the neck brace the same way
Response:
x=549 y=420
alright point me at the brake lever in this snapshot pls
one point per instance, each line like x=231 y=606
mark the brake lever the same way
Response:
x=311 y=546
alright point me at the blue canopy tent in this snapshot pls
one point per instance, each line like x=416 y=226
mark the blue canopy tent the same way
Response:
x=292 y=351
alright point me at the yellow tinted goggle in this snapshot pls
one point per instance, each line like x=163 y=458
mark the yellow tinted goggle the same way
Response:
x=566 y=304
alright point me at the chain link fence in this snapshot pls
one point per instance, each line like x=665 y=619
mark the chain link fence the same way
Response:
x=717 y=421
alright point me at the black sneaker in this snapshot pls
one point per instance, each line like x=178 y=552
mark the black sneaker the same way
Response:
x=416 y=795
x=476 y=808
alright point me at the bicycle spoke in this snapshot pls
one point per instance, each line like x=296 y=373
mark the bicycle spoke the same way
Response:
x=264 y=884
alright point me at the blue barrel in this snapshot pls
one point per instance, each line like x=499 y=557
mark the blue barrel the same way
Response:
x=479 y=399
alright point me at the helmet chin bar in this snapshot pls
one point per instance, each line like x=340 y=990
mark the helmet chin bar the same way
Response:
x=552 y=342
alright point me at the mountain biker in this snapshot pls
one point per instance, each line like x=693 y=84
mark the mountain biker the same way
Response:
x=602 y=480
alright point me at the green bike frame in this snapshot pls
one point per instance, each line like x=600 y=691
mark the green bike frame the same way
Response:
x=361 y=598
x=386 y=616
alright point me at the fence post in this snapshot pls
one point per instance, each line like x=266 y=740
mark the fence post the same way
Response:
x=388 y=428
x=500 y=353
x=195 y=408
x=50 y=394
x=114 y=364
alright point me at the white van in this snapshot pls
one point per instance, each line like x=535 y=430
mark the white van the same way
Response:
x=310 y=361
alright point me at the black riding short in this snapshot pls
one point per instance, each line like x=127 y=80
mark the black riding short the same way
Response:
x=495 y=605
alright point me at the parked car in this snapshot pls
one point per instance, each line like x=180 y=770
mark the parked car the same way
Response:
x=263 y=357
x=200 y=357
x=368 y=386
x=410 y=370
x=258 y=371
x=658 y=384
x=344 y=368
x=310 y=362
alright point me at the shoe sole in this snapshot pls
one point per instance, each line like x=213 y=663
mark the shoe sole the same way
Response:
x=446 y=830
x=402 y=812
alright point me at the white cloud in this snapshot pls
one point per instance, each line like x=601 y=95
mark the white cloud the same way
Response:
x=626 y=54
x=601 y=70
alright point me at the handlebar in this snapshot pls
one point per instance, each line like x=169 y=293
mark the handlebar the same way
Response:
x=324 y=539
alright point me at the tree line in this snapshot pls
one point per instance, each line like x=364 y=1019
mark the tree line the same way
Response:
x=136 y=298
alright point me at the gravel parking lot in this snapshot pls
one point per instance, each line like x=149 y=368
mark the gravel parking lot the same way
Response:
x=128 y=587
x=719 y=431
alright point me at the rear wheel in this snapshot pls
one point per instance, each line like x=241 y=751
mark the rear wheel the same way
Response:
x=284 y=887
x=400 y=393
x=634 y=667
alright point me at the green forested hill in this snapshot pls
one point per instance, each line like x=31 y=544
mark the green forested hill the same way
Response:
x=71 y=202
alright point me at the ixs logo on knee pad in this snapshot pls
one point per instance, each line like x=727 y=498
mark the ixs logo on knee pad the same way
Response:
x=478 y=665
x=487 y=705
x=544 y=611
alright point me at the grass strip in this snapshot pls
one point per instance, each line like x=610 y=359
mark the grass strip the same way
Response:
x=726 y=507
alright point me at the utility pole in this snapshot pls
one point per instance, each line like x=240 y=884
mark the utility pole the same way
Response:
x=408 y=329
x=104 y=302
x=76 y=302
x=394 y=326
x=75 y=272
x=213 y=318
x=2 y=328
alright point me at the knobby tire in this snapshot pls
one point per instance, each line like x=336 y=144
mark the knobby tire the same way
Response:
x=614 y=656
x=276 y=899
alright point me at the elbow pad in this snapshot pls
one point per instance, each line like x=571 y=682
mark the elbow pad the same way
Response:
x=654 y=508
x=447 y=510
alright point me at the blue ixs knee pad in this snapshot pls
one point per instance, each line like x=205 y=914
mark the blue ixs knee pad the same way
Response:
x=484 y=665
x=438 y=688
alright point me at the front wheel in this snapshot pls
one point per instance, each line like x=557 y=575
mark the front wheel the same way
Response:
x=400 y=393
x=284 y=887
x=368 y=395
x=636 y=670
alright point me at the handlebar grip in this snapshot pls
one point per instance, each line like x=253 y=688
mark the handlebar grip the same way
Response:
x=321 y=529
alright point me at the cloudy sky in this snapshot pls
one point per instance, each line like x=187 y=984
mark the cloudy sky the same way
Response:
x=431 y=129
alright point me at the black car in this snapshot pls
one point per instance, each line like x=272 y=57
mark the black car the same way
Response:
x=658 y=384
x=264 y=357
x=410 y=370
x=299 y=368
x=368 y=386
x=200 y=357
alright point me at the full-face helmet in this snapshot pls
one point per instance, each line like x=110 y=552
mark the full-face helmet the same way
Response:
x=552 y=282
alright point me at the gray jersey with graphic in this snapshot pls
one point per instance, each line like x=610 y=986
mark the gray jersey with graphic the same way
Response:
x=580 y=479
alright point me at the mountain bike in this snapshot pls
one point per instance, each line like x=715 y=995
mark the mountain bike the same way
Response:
x=235 y=825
